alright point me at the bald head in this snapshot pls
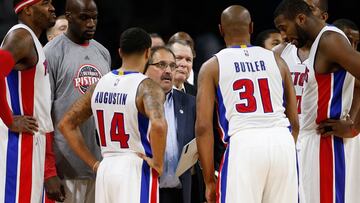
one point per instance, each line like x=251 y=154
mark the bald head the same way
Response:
x=235 y=20
x=78 y=5
x=82 y=18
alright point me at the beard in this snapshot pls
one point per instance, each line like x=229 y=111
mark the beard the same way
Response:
x=302 y=36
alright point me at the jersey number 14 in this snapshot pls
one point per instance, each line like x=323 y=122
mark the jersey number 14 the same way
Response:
x=117 y=130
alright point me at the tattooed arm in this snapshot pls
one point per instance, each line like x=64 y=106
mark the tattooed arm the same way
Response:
x=78 y=113
x=150 y=102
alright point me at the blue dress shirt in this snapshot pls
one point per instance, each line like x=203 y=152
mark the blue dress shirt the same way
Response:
x=168 y=179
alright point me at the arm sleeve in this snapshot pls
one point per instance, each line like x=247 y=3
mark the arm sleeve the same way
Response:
x=50 y=168
x=7 y=62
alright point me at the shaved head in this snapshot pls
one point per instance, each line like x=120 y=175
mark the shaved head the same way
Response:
x=77 y=5
x=235 y=20
x=236 y=23
x=82 y=18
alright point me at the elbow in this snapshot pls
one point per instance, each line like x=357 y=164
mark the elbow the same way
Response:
x=64 y=125
x=159 y=126
x=201 y=128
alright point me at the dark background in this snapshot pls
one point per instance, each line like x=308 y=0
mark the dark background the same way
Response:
x=199 y=18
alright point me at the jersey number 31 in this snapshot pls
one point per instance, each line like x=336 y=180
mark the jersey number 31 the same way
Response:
x=248 y=94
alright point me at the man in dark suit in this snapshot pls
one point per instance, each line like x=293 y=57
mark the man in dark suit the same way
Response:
x=184 y=59
x=180 y=116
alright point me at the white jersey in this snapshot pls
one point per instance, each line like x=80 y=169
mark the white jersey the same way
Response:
x=22 y=155
x=326 y=95
x=120 y=126
x=250 y=91
x=328 y=165
x=297 y=69
x=33 y=85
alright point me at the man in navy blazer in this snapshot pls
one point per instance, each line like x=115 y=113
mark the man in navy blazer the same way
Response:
x=180 y=116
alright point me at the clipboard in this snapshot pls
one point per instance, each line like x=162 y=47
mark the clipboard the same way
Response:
x=188 y=158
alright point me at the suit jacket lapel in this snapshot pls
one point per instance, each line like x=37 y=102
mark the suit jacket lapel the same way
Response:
x=180 y=117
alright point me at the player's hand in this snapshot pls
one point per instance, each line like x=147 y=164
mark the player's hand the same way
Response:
x=151 y=163
x=340 y=128
x=24 y=124
x=54 y=189
x=210 y=193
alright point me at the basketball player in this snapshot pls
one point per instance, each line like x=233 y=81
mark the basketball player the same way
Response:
x=327 y=95
x=249 y=84
x=268 y=38
x=75 y=62
x=25 y=125
x=296 y=58
x=129 y=116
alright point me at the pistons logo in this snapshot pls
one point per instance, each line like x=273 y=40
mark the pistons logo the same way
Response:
x=86 y=76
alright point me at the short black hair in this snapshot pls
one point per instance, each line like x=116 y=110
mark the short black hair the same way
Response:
x=262 y=36
x=345 y=23
x=134 y=40
x=291 y=8
x=155 y=49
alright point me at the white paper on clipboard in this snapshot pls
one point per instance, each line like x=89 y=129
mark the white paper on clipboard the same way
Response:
x=188 y=158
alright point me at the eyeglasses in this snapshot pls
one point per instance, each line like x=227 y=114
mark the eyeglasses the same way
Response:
x=163 y=65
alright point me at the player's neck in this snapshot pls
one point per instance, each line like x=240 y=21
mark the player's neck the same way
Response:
x=132 y=66
x=77 y=40
x=238 y=43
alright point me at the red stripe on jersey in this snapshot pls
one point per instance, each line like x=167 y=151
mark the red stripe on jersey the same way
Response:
x=218 y=184
x=324 y=94
x=154 y=186
x=326 y=170
x=27 y=100
x=325 y=154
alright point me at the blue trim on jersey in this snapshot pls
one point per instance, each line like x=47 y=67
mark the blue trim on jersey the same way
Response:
x=241 y=46
x=224 y=172
x=340 y=170
x=145 y=183
x=336 y=100
x=143 y=129
x=116 y=72
x=13 y=141
x=224 y=123
x=339 y=154
x=297 y=174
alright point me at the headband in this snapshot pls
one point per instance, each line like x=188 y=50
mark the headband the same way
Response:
x=22 y=4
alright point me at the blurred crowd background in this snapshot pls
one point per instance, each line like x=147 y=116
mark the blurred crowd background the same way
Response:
x=199 y=18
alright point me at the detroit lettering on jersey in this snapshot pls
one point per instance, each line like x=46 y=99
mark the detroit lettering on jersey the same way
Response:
x=111 y=98
x=254 y=66
x=87 y=75
x=299 y=78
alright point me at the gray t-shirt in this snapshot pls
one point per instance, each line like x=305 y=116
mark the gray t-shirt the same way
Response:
x=73 y=68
